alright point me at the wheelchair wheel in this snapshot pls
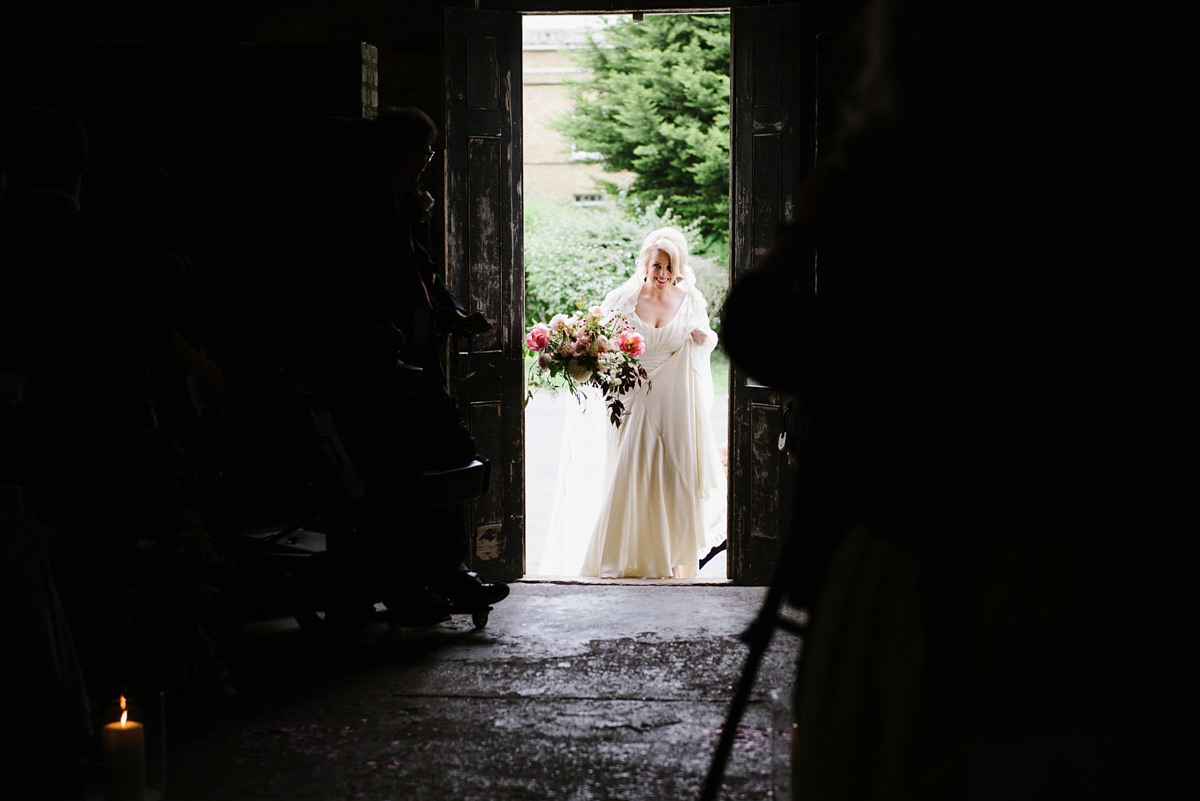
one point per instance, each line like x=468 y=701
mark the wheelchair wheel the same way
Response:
x=328 y=600
x=480 y=619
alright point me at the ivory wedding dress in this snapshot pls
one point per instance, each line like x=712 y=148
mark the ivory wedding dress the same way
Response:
x=662 y=460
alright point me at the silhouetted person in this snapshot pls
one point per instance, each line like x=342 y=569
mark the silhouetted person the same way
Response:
x=991 y=512
x=127 y=186
x=72 y=400
x=365 y=295
x=71 y=326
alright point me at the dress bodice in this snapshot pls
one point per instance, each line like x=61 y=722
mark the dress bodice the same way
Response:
x=661 y=343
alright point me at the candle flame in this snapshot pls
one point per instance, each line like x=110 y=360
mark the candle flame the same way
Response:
x=124 y=711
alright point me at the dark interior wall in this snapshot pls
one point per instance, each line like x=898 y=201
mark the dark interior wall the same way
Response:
x=263 y=21
x=224 y=67
x=233 y=88
x=234 y=121
x=407 y=34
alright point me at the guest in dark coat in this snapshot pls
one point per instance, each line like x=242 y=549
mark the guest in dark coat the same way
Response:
x=369 y=316
x=72 y=402
x=73 y=327
x=993 y=372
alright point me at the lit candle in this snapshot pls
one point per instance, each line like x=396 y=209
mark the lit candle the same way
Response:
x=124 y=747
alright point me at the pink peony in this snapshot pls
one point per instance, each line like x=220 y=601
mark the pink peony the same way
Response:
x=538 y=338
x=631 y=342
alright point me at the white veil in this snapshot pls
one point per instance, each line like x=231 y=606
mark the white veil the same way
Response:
x=582 y=468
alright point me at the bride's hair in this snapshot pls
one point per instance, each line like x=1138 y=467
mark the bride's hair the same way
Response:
x=670 y=241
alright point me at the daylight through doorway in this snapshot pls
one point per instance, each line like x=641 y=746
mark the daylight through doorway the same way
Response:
x=564 y=205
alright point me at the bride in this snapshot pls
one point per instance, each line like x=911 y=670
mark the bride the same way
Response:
x=662 y=462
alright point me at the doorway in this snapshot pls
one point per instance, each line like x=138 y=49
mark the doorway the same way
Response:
x=771 y=132
x=570 y=218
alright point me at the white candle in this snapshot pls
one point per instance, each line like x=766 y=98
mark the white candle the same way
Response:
x=124 y=747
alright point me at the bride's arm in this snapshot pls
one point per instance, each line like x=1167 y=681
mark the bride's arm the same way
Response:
x=702 y=333
x=699 y=361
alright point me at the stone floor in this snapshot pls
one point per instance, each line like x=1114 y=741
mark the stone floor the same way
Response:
x=572 y=691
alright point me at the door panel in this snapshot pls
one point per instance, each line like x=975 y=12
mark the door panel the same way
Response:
x=772 y=145
x=766 y=421
x=484 y=268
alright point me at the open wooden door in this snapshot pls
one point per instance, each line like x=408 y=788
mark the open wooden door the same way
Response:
x=772 y=130
x=485 y=268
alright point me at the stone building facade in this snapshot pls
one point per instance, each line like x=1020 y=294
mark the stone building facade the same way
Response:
x=553 y=169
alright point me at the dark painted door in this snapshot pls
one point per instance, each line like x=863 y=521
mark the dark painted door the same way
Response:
x=772 y=145
x=485 y=268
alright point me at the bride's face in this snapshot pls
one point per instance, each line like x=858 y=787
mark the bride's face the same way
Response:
x=659 y=269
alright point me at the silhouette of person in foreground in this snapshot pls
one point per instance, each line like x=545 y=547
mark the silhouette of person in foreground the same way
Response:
x=370 y=309
x=73 y=396
x=992 y=372
x=73 y=327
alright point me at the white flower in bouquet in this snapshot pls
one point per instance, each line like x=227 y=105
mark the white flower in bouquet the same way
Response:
x=579 y=371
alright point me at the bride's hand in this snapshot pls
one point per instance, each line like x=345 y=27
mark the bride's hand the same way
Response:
x=698 y=336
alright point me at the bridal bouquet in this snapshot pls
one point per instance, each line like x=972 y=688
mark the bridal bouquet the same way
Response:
x=588 y=347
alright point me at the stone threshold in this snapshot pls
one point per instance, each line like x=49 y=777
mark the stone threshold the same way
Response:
x=609 y=582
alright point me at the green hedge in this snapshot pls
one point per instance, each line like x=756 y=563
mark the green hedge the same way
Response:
x=573 y=252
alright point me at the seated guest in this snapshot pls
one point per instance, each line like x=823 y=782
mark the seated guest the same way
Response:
x=373 y=315
x=72 y=401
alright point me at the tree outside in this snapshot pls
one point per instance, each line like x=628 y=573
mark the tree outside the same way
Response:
x=653 y=100
x=628 y=78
